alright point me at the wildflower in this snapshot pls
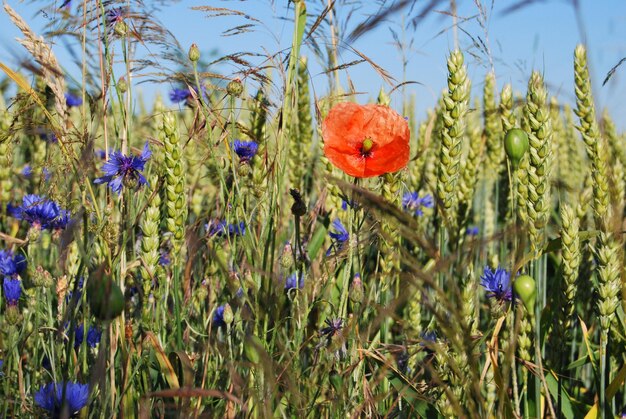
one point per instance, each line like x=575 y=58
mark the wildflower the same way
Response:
x=115 y=15
x=101 y=154
x=497 y=283
x=12 y=290
x=222 y=228
x=164 y=257
x=246 y=150
x=472 y=231
x=333 y=327
x=27 y=171
x=124 y=170
x=93 y=336
x=339 y=238
x=411 y=201
x=72 y=100
x=366 y=141
x=294 y=281
x=11 y=265
x=40 y=213
x=48 y=136
x=54 y=396
x=180 y=95
x=186 y=94
x=218 y=316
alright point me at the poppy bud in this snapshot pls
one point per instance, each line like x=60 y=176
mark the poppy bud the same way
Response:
x=515 y=145
x=524 y=287
x=194 y=53
x=122 y=85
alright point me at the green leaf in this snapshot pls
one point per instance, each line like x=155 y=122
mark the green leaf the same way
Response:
x=566 y=405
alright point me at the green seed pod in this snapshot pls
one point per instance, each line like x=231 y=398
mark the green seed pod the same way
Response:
x=228 y=315
x=524 y=287
x=336 y=381
x=194 y=53
x=12 y=315
x=252 y=348
x=105 y=297
x=122 y=85
x=515 y=145
x=235 y=88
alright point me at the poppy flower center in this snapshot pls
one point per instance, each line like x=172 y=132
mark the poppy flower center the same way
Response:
x=366 y=147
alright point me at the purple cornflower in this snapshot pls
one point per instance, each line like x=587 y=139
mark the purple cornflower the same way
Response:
x=472 y=231
x=11 y=264
x=12 y=290
x=222 y=228
x=497 y=283
x=246 y=150
x=93 y=336
x=72 y=100
x=41 y=213
x=27 y=171
x=412 y=202
x=115 y=15
x=333 y=326
x=293 y=281
x=180 y=95
x=124 y=170
x=218 y=316
x=51 y=397
x=339 y=237
x=164 y=257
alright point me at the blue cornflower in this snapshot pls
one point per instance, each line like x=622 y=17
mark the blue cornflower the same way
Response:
x=222 y=228
x=79 y=291
x=49 y=137
x=294 y=281
x=412 y=202
x=72 y=100
x=50 y=397
x=115 y=15
x=339 y=238
x=12 y=290
x=246 y=150
x=124 y=170
x=27 y=171
x=40 y=213
x=11 y=264
x=93 y=336
x=100 y=153
x=497 y=283
x=472 y=231
x=180 y=95
x=67 y=4
x=218 y=316
x=164 y=257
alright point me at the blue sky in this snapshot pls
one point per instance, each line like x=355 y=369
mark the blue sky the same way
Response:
x=541 y=36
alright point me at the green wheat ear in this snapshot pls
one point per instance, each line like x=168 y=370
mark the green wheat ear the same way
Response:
x=455 y=102
x=571 y=257
x=586 y=112
x=6 y=159
x=174 y=185
x=537 y=119
x=493 y=125
x=300 y=142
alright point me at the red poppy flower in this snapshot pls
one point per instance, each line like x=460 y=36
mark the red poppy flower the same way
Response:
x=366 y=141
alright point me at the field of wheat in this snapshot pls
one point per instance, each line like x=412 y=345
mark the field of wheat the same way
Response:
x=249 y=246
